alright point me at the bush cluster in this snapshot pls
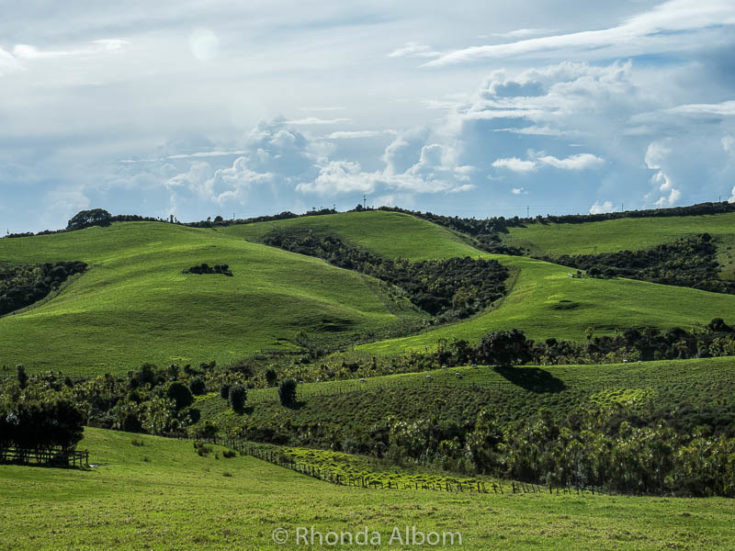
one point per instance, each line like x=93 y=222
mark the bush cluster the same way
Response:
x=688 y=262
x=454 y=288
x=21 y=286
x=204 y=268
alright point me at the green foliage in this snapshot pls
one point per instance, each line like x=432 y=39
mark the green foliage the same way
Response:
x=224 y=391
x=205 y=268
x=197 y=386
x=237 y=396
x=87 y=218
x=206 y=430
x=688 y=261
x=40 y=423
x=415 y=418
x=180 y=394
x=271 y=377
x=21 y=286
x=287 y=393
x=21 y=375
x=504 y=348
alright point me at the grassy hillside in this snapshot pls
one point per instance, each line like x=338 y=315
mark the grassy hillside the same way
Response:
x=390 y=234
x=162 y=495
x=544 y=301
x=624 y=234
x=349 y=408
x=134 y=304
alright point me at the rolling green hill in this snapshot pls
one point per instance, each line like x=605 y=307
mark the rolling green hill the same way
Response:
x=390 y=234
x=134 y=304
x=625 y=234
x=160 y=494
x=544 y=300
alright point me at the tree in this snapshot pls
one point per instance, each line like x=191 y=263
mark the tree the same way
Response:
x=237 y=397
x=287 y=393
x=180 y=394
x=87 y=218
x=197 y=386
x=224 y=391
x=271 y=377
x=504 y=348
x=21 y=375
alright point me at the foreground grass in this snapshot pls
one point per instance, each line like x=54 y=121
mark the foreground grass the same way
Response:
x=163 y=496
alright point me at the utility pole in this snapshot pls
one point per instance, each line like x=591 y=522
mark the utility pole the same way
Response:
x=528 y=211
x=622 y=207
x=364 y=201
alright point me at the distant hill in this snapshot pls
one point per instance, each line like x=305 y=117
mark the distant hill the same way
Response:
x=554 y=240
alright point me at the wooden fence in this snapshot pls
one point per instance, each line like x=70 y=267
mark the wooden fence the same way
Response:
x=361 y=481
x=52 y=457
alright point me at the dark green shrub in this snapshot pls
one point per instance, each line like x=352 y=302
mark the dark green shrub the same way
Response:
x=238 y=395
x=197 y=386
x=271 y=377
x=21 y=375
x=180 y=394
x=287 y=393
x=224 y=391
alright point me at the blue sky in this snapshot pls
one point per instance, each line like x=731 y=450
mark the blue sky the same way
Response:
x=470 y=108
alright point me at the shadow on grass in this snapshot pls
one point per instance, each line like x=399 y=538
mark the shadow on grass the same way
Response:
x=532 y=379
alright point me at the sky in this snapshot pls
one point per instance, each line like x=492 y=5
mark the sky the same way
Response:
x=468 y=108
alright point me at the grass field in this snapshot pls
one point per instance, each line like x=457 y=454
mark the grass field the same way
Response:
x=134 y=304
x=162 y=495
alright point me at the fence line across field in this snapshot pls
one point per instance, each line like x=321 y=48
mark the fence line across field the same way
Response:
x=363 y=481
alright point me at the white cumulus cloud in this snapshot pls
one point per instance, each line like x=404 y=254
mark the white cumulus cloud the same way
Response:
x=599 y=207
